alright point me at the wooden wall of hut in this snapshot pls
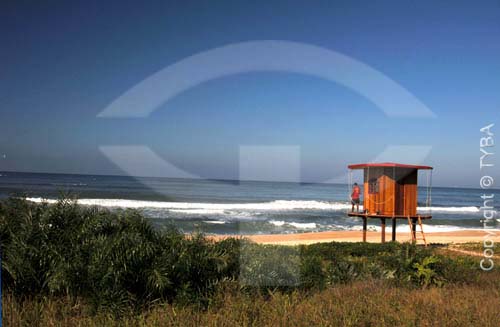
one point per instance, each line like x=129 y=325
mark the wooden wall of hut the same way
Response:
x=410 y=194
x=390 y=191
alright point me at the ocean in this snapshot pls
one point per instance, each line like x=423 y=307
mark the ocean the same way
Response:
x=238 y=207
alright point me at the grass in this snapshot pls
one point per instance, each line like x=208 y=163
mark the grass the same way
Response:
x=477 y=247
x=68 y=265
x=362 y=303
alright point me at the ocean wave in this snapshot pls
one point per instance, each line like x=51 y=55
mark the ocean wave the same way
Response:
x=280 y=223
x=198 y=211
x=278 y=205
x=287 y=215
x=449 y=209
x=68 y=184
x=225 y=208
x=216 y=222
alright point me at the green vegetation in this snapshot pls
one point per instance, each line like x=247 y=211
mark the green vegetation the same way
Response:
x=89 y=266
x=112 y=260
x=478 y=247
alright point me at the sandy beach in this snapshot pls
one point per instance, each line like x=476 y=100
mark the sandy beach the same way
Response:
x=460 y=236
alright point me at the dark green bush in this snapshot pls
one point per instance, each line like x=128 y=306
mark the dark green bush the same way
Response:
x=312 y=274
x=405 y=263
x=269 y=267
x=114 y=259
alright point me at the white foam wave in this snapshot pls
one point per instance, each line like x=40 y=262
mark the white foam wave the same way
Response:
x=252 y=211
x=220 y=208
x=448 y=209
x=199 y=211
x=215 y=222
x=278 y=205
x=280 y=223
x=303 y=225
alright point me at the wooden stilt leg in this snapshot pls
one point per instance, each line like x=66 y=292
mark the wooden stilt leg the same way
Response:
x=393 y=229
x=414 y=229
x=364 y=229
x=382 y=225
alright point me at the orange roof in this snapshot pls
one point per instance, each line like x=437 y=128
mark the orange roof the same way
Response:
x=386 y=164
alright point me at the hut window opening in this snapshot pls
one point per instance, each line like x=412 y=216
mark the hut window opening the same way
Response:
x=373 y=186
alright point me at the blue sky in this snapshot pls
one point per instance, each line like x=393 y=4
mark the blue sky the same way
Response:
x=63 y=62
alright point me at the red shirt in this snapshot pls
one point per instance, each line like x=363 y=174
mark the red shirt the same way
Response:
x=355 y=192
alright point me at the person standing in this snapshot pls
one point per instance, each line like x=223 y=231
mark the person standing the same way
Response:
x=356 y=191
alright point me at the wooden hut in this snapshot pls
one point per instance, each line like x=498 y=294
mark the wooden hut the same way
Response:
x=390 y=191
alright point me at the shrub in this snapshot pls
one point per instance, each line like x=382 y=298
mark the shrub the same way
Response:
x=312 y=275
x=113 y=259
x=269 y=267
x=425 y=274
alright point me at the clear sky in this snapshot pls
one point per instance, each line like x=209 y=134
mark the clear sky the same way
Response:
x=63 y=62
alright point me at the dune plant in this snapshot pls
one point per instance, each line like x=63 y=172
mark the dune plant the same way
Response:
x=117 y=261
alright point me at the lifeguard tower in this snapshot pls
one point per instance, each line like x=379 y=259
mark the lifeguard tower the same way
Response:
x=390 y=191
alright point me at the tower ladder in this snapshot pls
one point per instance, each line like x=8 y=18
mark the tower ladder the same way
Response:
x=413 y=234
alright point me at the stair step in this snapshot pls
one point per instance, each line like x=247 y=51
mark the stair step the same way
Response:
x=412 y=232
